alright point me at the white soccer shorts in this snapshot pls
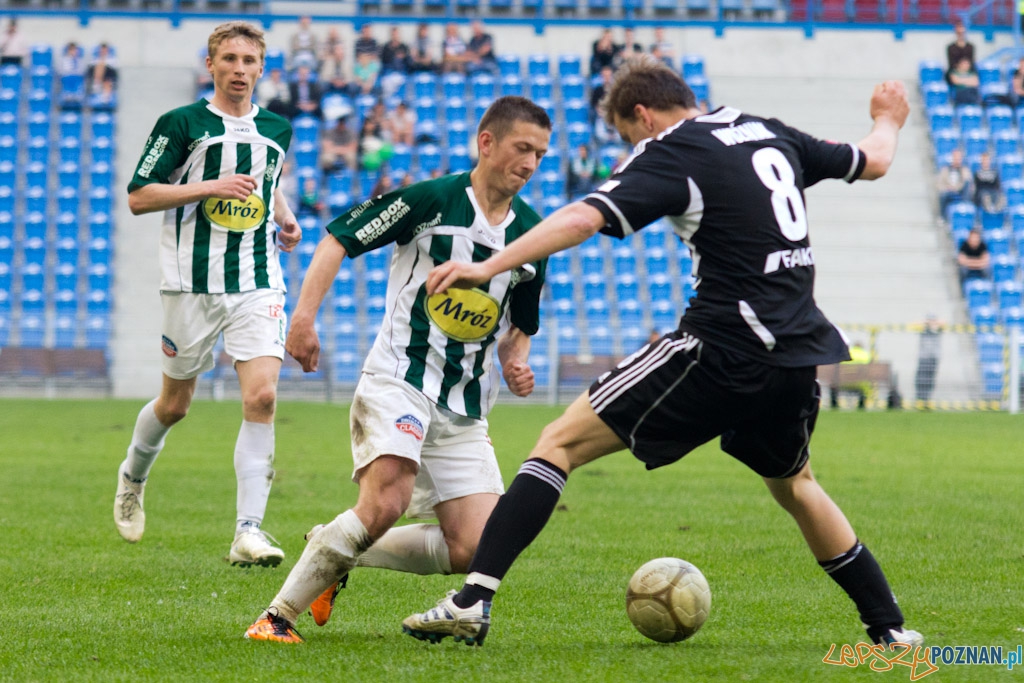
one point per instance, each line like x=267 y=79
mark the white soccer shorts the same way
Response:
x=253 y=324
x=455 y=456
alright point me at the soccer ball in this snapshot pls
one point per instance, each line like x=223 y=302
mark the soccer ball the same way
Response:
x=668 y=599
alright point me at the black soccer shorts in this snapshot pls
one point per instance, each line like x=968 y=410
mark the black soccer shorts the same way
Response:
x=680 y=392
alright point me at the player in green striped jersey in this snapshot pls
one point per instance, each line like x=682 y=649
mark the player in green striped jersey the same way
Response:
x=213 y=169
x=418 y=418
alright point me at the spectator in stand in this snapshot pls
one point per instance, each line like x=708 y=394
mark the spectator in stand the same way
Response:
x=929 y=350
x=338 y=147
x=366 y=43
x=603 y=52
x=394 y=55
x=628 y=49
x=13 y=46
x=582 y=173
x=371 y=143
x=72 y=61
x=289 y=182
x=333 y=41
x=455 y=56
x=960 y=48
x=423 y=55
x=365 y=74
x=1017 y=84
x=964 y=82
x=481 y=51
x=105 y=99
x=204 y=81
x=385 y=183
x=973 y=258
x=273 y=94
x=305 y=46
x=333 y=73
x=988 y=191
x=663 y=48
x=598 y=92
x=305 y=94
x=103 y=68
x=403 y=124
x=310 y=203
x=954 y=183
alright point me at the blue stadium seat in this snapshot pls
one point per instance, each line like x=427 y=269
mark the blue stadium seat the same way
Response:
x=931 y=71
x=511 y=85
x=459 y=160
x=1003 y=269
x=623 y=260
x=99 y=252
x=35 y=173
x=482 y=86
x=559 y=262
x=70 y=150
x=601 y=340
x=72 y=92
x=1010 y=166
x=35 y=227
x=978 y=293
x=6 y=201
x=274 y=59
x=969 y=118
x=426 y=109
x=552 y=161
x=568 y=340
x=961 y=216
x=100 y=174
x=39 y=102
x=479 y=107
x=563 y=286
x=39 y=125
x=41 y=54
x=941 y=117
x=97 y=331
x=992 y=375
x=7 y=175
x=424 y=86
x=659 y=287
x=65 y=332
x=700 y=86
x=39 y=150
x=935 y=95
x=69 y=175
x=663 y=315
x=11 y=77
x=552 y=184
x=626 y=287
x=455 y=109
x=594 y=287
x=509 y=65
x=453 y=85
x=98 y=302
x=67 y=221
x=102 y=125
x=984 y=316
x=32 y=330
x=429 y=157
x=65 y=273
x=65 y=302
x=100 y=227
x=70 y=125
x=1004 y=143
x=1014 y=317
x=541 y=88
x=573 y=88
x=9 y=101
x=577 y=134
x=999 y=118
x=577 y=111
x=36 y=200
x=1009 y=295
x=1014 y=191
x=539 y=64
x=997 y=239
x=569 y=64
x=98 y=277
x=8 y=149
x=988 y=72
x=41 y=78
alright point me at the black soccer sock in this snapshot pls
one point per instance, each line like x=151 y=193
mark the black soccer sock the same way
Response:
x=857 y=572
x=517 y=519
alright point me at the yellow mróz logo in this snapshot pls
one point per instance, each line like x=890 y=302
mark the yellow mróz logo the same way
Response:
x=232 y=214
x=465 y=315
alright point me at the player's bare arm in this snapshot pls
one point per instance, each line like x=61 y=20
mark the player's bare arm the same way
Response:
x=164 y=196
x=565 y=228
x=513 y=352
x=303 y=343
x=289 y=233
x=889 y=110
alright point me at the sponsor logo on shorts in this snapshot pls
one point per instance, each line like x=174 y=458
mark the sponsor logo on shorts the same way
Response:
x=408 y=424
x=235 y=215
x=168 y=347
x=465 y=315
x=276 y=311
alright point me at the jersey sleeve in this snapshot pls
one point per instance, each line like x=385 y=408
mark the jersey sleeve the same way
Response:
x=524 y=309
x=823 y=159
x=648 y=185
x=380 y=220
x=166 y=149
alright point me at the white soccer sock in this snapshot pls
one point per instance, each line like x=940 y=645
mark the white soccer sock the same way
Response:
x=254 y=469
x=328 y=556
x=416 y=548
x=147 y=442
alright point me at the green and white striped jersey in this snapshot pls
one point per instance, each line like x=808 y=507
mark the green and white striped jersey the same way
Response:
x=217 y=245
x=442 y=345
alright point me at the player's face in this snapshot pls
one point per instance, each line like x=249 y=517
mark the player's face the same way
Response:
x=514 y=158
x=235 y=67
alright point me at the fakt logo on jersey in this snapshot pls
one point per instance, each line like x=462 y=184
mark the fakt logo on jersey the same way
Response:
x=168 y=347
x=465 y=315
x=408 y=424
x=234 y=215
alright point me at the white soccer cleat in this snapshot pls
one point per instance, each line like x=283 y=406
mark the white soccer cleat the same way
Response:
x=902 y=636
x=129 y=517
x=252 y=547
x=469 y=625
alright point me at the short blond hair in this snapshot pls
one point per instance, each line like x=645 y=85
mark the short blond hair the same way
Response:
x=236 y=29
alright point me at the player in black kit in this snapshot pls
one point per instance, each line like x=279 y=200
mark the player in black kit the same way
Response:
x=742 y=364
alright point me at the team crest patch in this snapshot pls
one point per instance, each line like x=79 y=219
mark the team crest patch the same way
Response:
x=408 y=424
x=168 y=347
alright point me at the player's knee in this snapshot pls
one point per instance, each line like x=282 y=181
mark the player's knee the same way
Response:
x=171 y=412
x=261 y=402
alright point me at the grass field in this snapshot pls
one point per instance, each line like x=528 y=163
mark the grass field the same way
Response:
x=937 y=497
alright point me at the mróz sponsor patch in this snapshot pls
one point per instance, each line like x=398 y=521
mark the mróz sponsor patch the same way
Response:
x=234 y=215
x=465 y=315
x=408 y=424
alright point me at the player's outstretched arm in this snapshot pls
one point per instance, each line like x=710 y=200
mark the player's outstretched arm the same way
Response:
x=889 y=110
x=302 y=343
x=164 y=196
x=513 y=352
x=565 y=228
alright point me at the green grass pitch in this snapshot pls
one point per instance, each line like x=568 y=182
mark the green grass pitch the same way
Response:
x=937 y=497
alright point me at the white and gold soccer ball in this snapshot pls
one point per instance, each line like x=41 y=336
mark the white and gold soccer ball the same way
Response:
x=668 y=599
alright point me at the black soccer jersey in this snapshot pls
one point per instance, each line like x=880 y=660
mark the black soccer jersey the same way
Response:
x=732 y=186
